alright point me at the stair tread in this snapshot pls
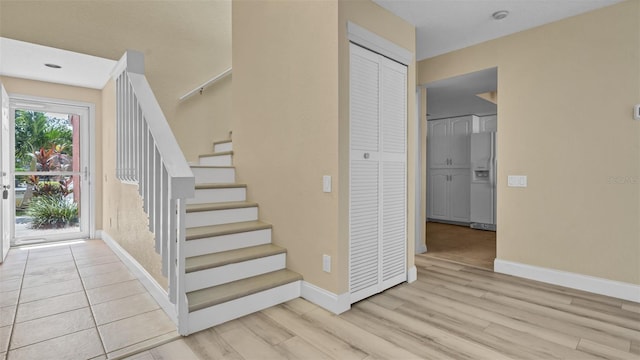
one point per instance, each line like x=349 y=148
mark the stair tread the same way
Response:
x=208 y=261
x=211 y=167
x=220 y=206
x=219 y=186
x=221 y=142
x=215 y=295
x=225 y=229
x=217 y=154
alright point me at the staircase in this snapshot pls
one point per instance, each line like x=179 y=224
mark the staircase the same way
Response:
x=217 y=256
x=231 y=267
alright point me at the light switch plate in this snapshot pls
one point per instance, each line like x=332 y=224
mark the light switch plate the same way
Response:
x=517 y=181
x=326 y=263
x=326 y=183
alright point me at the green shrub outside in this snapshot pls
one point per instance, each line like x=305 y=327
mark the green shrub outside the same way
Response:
x=52 y=211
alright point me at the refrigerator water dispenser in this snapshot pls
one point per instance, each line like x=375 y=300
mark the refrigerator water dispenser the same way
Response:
x=481 y=176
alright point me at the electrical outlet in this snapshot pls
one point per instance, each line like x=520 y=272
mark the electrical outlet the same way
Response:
x=326 y=263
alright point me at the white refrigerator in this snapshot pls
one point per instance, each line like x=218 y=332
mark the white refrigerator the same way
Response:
x=482 y=213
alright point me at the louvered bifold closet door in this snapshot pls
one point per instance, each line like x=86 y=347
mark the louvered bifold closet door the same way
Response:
x=377 y=207
x=393 y=104
x=364 y=174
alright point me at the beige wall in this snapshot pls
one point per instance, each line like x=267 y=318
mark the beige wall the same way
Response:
x=374 y=18
x=185 y=43
x=285 y=128
x=566 y=95
x=68 y=93
x=124 y=219
x=290 y=111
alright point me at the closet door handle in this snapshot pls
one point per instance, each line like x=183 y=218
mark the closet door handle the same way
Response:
x=366 y=155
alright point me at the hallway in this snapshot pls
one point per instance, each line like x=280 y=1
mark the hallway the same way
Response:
x=75 y=300
x=461 y=244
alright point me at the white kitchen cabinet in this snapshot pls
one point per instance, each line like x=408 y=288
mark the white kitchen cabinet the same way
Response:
x=448 y=142
x=449 y=178
x=484 y=124
x=377 y=174
x=449 y=194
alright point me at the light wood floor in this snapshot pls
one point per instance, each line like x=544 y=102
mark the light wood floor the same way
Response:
x=461 y=244
x=451 y=312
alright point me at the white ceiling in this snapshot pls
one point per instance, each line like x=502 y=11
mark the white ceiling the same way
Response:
x=441 y=26
x=447 y=25
x=457 y=96
x=25 y=60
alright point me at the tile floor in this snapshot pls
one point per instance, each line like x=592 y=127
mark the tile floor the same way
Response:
x=75 y=301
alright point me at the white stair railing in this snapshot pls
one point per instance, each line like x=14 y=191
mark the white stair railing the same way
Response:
x=207 y=83
x=148 y=155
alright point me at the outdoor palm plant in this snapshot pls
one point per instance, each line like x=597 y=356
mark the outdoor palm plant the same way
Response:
x=44 y=144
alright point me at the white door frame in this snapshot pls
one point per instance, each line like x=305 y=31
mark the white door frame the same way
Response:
x=421 y=211
x=87 y=140
x=5 y=177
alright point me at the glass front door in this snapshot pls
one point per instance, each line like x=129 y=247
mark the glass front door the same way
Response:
x=50 y=172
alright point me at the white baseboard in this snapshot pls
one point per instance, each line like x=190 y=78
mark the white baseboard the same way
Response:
x=412 y=274
x=588 y=283
x=156 y=291
x=337 y=304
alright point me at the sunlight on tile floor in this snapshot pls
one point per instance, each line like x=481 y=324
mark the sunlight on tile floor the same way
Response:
x=76 y=300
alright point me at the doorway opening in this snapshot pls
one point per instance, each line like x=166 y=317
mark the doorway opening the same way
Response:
x=461 y=168
x=49 y=170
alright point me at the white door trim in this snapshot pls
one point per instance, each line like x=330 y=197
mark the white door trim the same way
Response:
x=90 y=142
x=420 y=216
x=6 y=205
x=374 y=42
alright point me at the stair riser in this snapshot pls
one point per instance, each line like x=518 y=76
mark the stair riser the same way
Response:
x=232 y=272
x=206 y=196
x=216 y=160
x=217 y=217
x=228 y=146
x=227 y=242
x=216 y=315
x=212 y=176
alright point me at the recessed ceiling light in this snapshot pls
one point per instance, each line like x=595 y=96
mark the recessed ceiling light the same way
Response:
x=53 y=66
x=499 y=15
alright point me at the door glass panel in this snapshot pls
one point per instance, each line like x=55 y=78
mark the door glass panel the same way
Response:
x=47 y=176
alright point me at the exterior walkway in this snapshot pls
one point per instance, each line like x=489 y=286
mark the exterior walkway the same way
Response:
x=75 y=300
